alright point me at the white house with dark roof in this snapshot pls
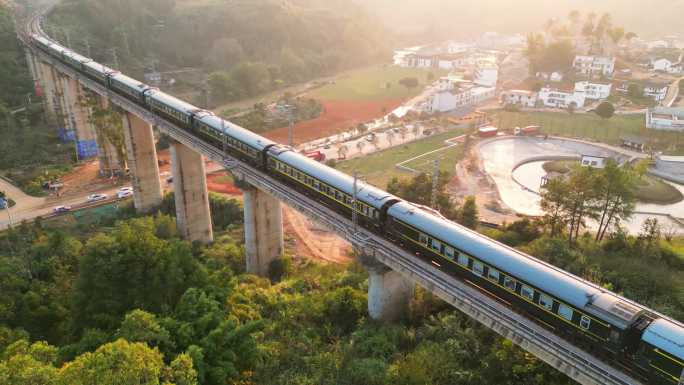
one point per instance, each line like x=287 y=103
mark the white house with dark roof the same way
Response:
x=665 y=118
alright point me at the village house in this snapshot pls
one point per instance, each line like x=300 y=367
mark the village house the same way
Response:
x=666 y=65
x=550 y=76
x=486 y=73
x=593 y=90
x=555 y=98
x=656 y=91
x=665 y=118
x=452 y=92
x=594 y=65
x=520 y=98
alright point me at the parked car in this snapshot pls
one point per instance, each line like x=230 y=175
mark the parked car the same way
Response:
x=124 y=192
x=97 y=197
x=370 y=137
x=61 y=209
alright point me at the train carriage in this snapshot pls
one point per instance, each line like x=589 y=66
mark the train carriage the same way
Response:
x=127 y=86
x=332 y=187
x=171 y=108
x=237 y=141
x=75 y=60
x=662 y=352
x=564 y=302
x=98 y=72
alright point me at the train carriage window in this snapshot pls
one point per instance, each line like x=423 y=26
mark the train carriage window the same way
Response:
x=509 y=283
x=478 y=268
x=317 y=185
x=449 y=252
x=565 y=311
x=463 y=260
x=376 y=215
x=422 y=238
x=546 y=301
x=585 y=322
x=493 y=274
x=527 y=292
x=435 y=245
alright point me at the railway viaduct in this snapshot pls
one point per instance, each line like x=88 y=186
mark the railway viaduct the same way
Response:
x=393 y=271
x=63 y=93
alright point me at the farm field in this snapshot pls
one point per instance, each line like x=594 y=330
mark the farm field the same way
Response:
x=374 y=83
x=379 y=168
x=356 y=97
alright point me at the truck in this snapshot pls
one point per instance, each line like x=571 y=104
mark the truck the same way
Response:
x=315 y=155
x=529 y=130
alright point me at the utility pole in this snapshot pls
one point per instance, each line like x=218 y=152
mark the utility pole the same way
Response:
x=68 y=38
x=435 y=184
x=354 y=208
x=115 y=58
x=87 y=47
x=290 y=132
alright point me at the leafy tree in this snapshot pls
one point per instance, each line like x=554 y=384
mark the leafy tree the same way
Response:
x=409 y=82
x=419 y=190
x=468 y=216
x=116 y=363
x=615 y=188
x=141 y=326
x=605 y=110
x=131 y=268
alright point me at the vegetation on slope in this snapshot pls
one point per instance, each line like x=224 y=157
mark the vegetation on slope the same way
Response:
x=249 y=47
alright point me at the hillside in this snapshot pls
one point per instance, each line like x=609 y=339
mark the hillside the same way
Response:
x=277 y=42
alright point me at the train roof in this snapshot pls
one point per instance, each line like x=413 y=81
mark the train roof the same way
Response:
x=541 y=275
x=174 y=102
x=129 y=81
x=76 y=56
x=99 y=67
x=341 y=181
x=666 y=335
x=237 y=132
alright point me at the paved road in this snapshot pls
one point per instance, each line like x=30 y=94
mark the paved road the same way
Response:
x=672 y=93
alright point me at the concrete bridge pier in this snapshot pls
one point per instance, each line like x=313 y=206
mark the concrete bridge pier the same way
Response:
x=389 y=293
x=193 y=215
x=263 y=230
x=142 y=162
x=48 y=88
x=107 y=153
x=80 y=114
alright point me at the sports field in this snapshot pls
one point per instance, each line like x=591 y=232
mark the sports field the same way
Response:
x=379 y=167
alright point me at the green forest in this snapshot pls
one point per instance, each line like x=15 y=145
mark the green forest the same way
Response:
x=246 y=47
x=28 y=147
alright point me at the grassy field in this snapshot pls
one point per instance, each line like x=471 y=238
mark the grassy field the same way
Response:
x=590 y=126
x=378 y=168
x=374 y=83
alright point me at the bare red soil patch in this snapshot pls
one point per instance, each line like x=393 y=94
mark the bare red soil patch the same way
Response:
x=216 y=183
x=336 y=117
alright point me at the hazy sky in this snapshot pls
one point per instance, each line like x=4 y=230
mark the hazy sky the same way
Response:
x=646 y=17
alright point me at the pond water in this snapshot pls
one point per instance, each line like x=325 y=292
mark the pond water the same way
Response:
x=519 y=190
